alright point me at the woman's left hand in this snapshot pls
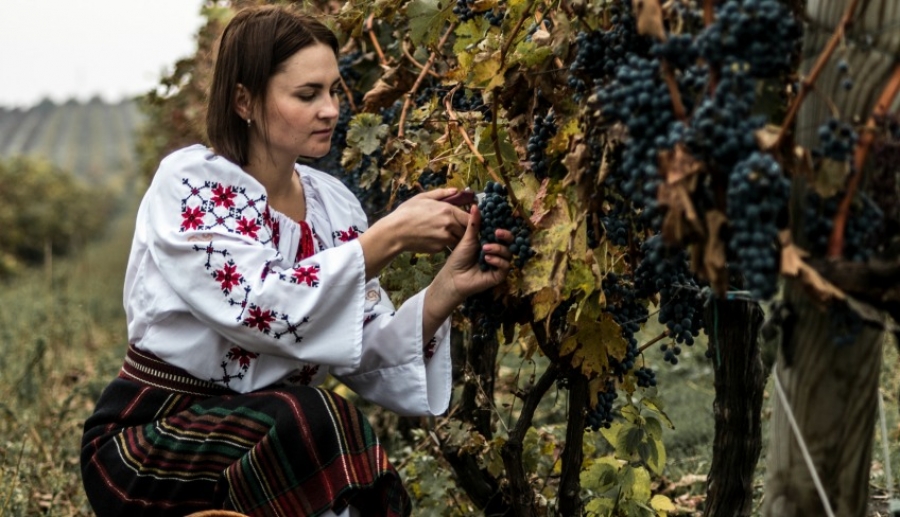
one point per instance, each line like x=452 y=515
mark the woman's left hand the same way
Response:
x=462 y=274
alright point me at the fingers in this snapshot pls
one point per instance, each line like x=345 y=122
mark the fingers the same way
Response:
x=438 y=193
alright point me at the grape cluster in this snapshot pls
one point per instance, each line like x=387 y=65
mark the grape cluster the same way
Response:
x=601 y=415
x=639 y=98
x=670 y=354
x=481 y=310
x=678 y=50
x=496 y=212
x=601 y=52
x=837 y=141
x=843 y=68
x=617 y=223
x=861 y=233
x=762 y=33
x=463 y=100
x=757 y=202
x=723 y=129
x=464 y=10
x=430 y=179
x=646 y=377
x=667 y=271
x=629 y=312
x=543 y=130
x=495 y=18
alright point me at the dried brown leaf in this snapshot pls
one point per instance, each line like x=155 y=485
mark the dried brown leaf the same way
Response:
x=538 y=210
x=388 y=88
x=678 y=164
x=793 y=265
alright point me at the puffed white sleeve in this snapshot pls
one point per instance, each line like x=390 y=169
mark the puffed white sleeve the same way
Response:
x=400 y=370
x=211 y=236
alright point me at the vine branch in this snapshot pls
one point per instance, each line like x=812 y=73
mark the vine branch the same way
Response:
x=415 y=87
x=522 y=495
x=809 y=81
x=653 y=341
x=512 y=35
x=371 y=32
x=836 y=240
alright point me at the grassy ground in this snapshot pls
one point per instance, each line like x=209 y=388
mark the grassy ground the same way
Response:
x=62 y=332
x=62 y=337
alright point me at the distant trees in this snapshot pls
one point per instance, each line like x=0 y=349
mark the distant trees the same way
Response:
x=45 y=211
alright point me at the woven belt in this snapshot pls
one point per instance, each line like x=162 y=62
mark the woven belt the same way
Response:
x=143 y=367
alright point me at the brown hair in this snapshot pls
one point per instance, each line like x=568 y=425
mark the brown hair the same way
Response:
x=253 y=47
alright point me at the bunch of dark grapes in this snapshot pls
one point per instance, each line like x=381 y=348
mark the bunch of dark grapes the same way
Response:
x=837 y=140
x=640 y=99
x=495 y=18
x=496 y=212
x=617 y=223
x=558 y=318
x=601 y=415
x=861 y=233
x=757 y=200
x=678 y=50
x=481 y=310
x=629 y=312
x=667 y=271
x=762 y=33
x=464 y=10
x=646 y=377
x=723 y=130
x=601 y=52
x=843 y=68
x=543 y=130
x=463 y=100
x=430 y=179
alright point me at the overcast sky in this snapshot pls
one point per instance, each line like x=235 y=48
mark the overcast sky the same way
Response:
x=80 y=48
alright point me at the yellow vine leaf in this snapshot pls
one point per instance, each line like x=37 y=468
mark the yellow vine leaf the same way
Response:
x=662 y=505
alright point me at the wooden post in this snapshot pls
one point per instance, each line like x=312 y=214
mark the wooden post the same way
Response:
x=831 y=389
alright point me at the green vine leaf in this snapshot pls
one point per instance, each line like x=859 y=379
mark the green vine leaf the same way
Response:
x=427 y=19
x=366 y=132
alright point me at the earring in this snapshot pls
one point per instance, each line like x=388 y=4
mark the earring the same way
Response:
x=249 y=121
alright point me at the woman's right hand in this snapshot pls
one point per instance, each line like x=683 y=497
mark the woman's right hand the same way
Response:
x=425 y=224
x=422 y=224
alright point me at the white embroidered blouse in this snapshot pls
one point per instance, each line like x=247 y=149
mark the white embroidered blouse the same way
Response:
x=219 y=284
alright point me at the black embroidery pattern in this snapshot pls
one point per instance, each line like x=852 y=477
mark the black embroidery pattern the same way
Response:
x=243 y=359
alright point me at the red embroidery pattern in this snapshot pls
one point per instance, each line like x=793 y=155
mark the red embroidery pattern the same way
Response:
x=213 y=205
x=242 y=356
x=191 y=218
x=228 y=276
x=304 y=376
x=346 y=235
x=248 y=227
x=224 y=196
x=308 y=275
x=267 y=321
x=429 y=348
x=260 y=319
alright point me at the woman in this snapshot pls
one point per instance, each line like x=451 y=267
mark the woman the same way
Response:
x=251 y=279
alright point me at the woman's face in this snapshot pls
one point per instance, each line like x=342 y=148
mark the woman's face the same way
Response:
x=302 y=105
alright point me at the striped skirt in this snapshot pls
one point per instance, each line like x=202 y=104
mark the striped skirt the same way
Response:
x=296 y=451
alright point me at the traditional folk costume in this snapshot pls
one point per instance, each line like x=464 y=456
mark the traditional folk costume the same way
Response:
x=235 y=313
